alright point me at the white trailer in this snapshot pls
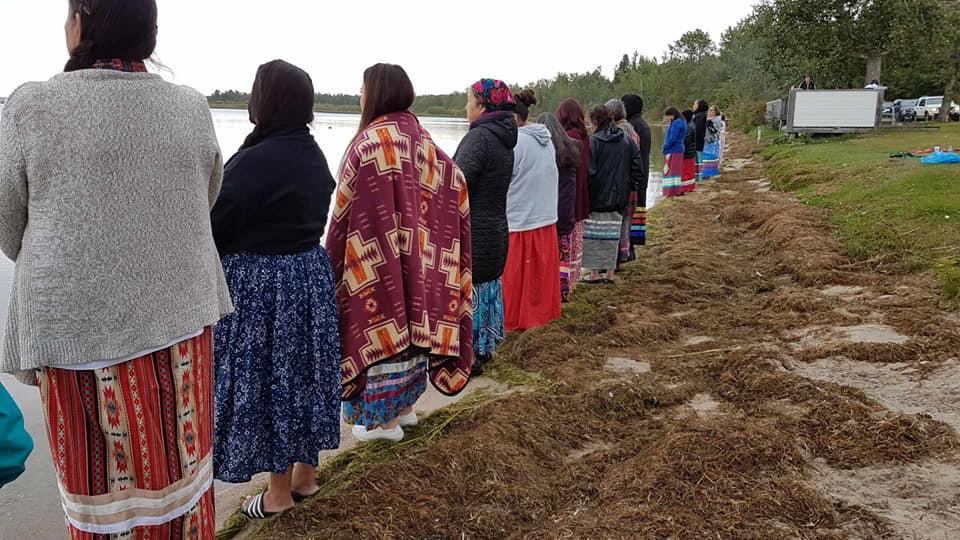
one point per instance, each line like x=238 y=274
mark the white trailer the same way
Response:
x=834 y=111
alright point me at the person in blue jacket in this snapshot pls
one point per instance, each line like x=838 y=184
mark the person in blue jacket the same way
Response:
x=15 y=443
x=673 y=148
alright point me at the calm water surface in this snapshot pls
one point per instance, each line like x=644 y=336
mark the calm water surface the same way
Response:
x=30 y=508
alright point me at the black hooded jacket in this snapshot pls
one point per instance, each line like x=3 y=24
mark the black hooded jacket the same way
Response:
x=486 y=158
x=690 y=142
x=700 y=123
x=634 y=106
x=615 y=169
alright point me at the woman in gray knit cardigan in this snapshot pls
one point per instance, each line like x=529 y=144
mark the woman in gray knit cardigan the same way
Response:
x=107 y=176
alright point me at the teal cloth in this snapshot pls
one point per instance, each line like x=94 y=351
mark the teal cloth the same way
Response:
x=15 y=443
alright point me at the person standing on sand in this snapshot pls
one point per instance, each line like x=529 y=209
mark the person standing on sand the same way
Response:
x=116 y=290
x=634 y=107
x=571 y=117
x=485 y=156
x=615 y=168
x=568 y=161
x=673 y=149
x=531 y=279
x=400 y=244
x=278 y=355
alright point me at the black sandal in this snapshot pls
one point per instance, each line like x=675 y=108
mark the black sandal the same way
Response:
x=254 y=508
x=299 y=497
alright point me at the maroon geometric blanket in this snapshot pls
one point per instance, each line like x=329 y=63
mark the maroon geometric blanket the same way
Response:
x=399 y=241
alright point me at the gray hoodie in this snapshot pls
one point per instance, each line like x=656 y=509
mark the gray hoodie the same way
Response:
x=532 y=199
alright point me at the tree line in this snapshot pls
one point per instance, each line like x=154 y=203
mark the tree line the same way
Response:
x=430 y=105
x=911 y=46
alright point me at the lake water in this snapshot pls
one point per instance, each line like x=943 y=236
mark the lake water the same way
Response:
x=30 y=508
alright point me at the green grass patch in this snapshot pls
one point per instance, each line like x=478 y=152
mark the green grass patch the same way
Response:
x=897 y=210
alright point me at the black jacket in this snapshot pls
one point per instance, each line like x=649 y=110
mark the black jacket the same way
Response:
x=700 y=122
x=486 y=158
x=646 y=143
x=690 y=142
x=275 y=197
x=615 y=170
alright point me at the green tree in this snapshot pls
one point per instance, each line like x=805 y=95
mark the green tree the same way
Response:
x=695 y=45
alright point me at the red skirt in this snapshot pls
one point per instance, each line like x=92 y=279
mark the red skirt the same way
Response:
x=132 y=444
x=531 y=279
x=688 y=181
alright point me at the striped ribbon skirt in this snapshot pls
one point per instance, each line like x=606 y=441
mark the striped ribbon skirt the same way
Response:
x=672 y=174
x=132 y=444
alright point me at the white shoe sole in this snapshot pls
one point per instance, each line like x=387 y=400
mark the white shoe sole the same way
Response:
x=408 y=420
x=379 y=434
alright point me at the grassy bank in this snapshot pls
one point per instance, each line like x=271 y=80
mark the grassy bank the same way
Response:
x=897 y=213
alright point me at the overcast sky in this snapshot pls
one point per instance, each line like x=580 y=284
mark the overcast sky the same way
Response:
x=444 y=45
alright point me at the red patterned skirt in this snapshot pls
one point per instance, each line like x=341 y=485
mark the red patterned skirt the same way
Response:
x=132 y=444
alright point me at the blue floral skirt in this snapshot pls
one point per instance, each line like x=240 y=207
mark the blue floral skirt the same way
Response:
x=488 y=316
x=392 y=385
x=277 y=363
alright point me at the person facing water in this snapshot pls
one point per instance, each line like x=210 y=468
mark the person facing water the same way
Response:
x=673 y=150
x=571 y=117
x=634 y=107
x=531 y=279
x=700 y=108
x=115 y=293
x=485 y=156
x=278 y=354
x=688 y=180
x=615 y=167
x=568 y=164
x=619 y=112
x=399 y=242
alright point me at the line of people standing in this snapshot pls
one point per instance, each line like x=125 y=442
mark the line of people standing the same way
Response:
x=692 y=148
x=183 y=320
x=139 y=254
x=549 y=200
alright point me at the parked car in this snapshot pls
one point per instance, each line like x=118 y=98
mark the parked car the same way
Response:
x=905 y=110
x=887 y=112
x=928 y=108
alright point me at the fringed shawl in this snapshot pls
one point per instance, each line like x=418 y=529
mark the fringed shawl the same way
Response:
x=400 y=244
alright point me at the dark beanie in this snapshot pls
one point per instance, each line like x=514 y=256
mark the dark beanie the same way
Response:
x=633 y=103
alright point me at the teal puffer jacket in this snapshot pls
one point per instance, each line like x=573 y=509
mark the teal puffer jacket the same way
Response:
x=15 y=443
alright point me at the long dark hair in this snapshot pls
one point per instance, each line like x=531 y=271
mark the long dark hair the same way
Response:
x=702 y=106
x=281 y=100
x=570 y=115
x=688 y=115
x=568 y=150
x=388 y=89
x=124 y=29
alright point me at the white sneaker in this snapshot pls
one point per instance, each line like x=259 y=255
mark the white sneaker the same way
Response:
x=379 y=434
x=409 y=420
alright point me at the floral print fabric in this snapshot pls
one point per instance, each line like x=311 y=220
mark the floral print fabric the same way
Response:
x=277 y=365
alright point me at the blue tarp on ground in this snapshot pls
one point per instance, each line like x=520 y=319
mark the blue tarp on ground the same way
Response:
x=940 y=158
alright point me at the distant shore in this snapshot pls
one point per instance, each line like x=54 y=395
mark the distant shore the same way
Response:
x=338 y=110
